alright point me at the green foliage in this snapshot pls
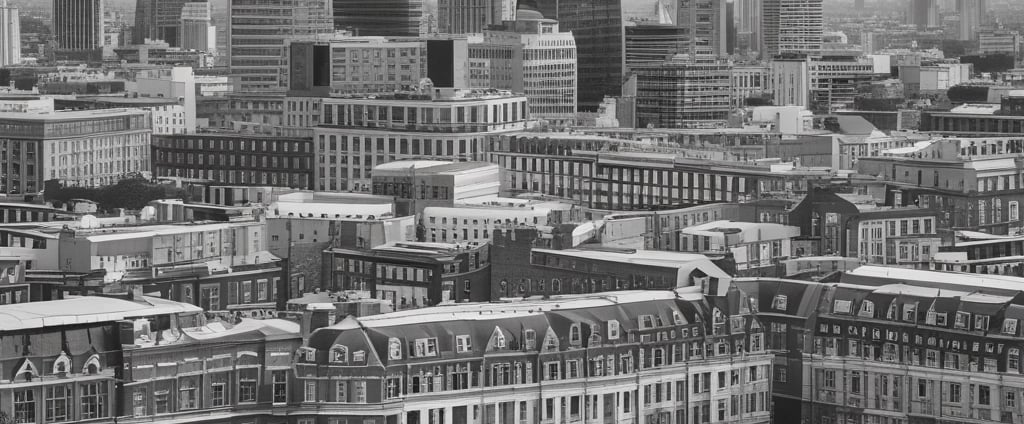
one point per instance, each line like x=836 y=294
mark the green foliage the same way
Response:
x=133 y=192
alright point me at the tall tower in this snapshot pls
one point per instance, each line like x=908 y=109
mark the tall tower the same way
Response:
x=791 y=26
x=748 y=25
x=158 y=20
x=706 y=23
x=78 y=24
x=597 y=26
x=256 y=47
x=10 y=35
x=467 y=16
x=972 y=13
x=923 y=13
x=383 y=17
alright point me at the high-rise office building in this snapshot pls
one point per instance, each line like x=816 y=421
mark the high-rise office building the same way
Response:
x=467 y=16
x=923 y=13
x=381 y=17
x=748 y=25
x=10 y=35
x=197 y=29
x=972 y=15
x=791 y=26
x=706 y=24
x=683 y=93
x=158 y=20
x=256 y=46
x=78 y=24
x=549 y=66
x=598 y=28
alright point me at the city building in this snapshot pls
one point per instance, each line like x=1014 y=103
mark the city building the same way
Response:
x=545 y=67
x=256 y=43
x=235 y=159
x=351 y=65
x=598 y=174
x=468 y=16
x=73 y=370
x=393 y=18
x=598 y=29
x=923 y=14
x=748 y=25
x=749 y=82
x=358 y=133
x=835 y=81
x=791 y=26
x=168 y=115
x=78 y=27
x=902 y=236
x=757 y=248
x=706 y=24
x=78 y=148
x=973 y=182
x=1000 y=42
x=584 y=358
x=177 y=83
x=525 y=258
x=649 y=42
x=972 y=15
x=986 y=254
x=412 y=275
x=197 y=29
x=476 y=223
x=791 y=82
x=683 y=93
x=158 y=20
x=10 y=30
x=419 y=184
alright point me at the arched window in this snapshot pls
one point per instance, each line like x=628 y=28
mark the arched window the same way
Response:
x=92 y=365
x=574 y=334
x=339 y=354
x=62 y=365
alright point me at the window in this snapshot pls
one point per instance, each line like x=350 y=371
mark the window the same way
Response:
x=24 y=406
x=339 y=354
x=393 y=387
x=962 y=319
x=280 y=382
x=341 y=391
x=310 y=393
x=1013 y=360
x=138 y=402
x=1011 y=399
x=575 y=336
x=984 y=395
x=931 y=358
x=463 y=344
x=841 y=307
x=779 y=302
x=217 y=394
x=247 y=385
x=910 y=312
x=424 y=348
x=57 y=403
x=613 y=330
x=94 y=400
x=187 y=394
x=1010 y=326
x=981 y=322
x=855 y=382
x=829 y=379
x=867 y=309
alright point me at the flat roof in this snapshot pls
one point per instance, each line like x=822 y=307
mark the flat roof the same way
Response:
x=69 y=115
x=432 y=166
x=1000 y=283
x=513 y=308
x=657 y=258
x=84 y=310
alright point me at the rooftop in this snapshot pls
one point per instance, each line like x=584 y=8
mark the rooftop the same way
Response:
x=68 y=115
x=432 y=166
x=975 y=283
x=84 y=310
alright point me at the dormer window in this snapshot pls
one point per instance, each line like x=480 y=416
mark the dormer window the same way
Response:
x=677 y=318
x=360 y=355
x=595 y=336
x=940 y=319
x=841 y=307
x=425 y=347
x=780 y=302
x=575 y=337
x=717 y=316
x=394 y=348
x=613 y=330
x=62 y=365
x=981 y=322
x=867 y=309
x=1010 y=326
x=531 y=339
x=309 y=354
x=463 y=344
x=891 y=314
x=910 y=312
x=962 y=320
x=498 y=338
x=339 y=354
x=646 y=322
